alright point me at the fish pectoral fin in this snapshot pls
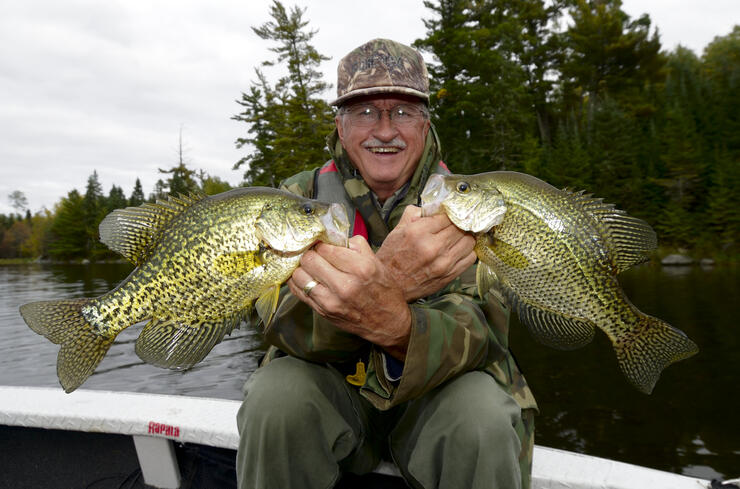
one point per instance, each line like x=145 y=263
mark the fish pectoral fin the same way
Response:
x=551 y=328
x=267 y=304
x=174 y=344
x=507 y=253
x=237 y=263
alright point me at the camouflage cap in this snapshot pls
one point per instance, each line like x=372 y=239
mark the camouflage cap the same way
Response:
x=382 y=66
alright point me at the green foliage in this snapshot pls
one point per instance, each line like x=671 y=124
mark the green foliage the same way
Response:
x=287 y=122
x=68 y=233
x=593 y=104
x=479 y=90
x=210 y=185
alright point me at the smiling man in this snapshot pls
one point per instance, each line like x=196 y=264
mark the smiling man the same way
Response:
x=381 y=349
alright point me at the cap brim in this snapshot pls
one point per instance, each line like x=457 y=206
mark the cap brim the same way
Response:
x=375 y=90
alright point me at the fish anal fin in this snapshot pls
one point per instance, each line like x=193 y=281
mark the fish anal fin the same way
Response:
x=175 y=344
x=551 y=328
x=644 y=350
x=630 y=239
x=237 y=263
x=133 y=232
x=267 y=304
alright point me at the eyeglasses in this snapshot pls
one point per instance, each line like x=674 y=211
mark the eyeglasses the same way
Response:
x=369 y=115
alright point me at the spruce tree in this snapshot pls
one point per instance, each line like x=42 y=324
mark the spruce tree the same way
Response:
x=288 y=123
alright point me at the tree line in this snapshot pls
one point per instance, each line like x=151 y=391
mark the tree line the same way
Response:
x=70 y=230
x=575 y=92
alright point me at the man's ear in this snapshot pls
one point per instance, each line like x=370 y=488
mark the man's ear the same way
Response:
x=340 y=128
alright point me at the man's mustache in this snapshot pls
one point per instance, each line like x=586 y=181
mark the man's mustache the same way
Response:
x=373 y=142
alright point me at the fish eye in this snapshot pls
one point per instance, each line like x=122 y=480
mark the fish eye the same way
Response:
x=307 y=209
x=463 y=187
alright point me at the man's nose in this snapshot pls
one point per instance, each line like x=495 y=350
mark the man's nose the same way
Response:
x=385 y=129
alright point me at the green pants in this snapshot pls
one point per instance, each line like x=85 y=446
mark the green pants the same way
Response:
x=302 y=425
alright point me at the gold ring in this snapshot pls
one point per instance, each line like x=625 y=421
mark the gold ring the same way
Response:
x=309 y=287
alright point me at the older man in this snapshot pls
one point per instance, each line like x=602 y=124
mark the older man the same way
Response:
x=382 y=349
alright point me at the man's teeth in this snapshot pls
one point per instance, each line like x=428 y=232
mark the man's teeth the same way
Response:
x=384 y=150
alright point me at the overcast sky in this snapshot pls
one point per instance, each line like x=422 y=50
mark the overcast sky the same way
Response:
x=107 y=85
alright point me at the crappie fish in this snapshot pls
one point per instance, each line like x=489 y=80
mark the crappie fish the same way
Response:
x=555 y=254
x=201 y=264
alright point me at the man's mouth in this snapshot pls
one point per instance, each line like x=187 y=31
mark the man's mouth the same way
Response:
x=383 y=149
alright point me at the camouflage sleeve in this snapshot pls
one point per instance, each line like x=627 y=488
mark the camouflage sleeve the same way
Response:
x=451 y=332
x=295 y=329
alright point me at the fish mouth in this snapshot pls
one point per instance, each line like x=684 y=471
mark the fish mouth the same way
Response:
x=336 y=223
x=434 y=193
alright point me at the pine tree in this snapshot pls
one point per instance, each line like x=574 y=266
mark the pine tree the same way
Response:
x=94 y=210
x=116 y=199
x=482 y=107
x=288 y=123
x=137 y=195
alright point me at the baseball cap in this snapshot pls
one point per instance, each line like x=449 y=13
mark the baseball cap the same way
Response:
x=382 y=66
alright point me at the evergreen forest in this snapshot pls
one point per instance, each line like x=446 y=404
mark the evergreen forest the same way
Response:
x=575 y=92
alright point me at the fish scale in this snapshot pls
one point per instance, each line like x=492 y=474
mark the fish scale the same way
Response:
x=555 y=254
x=202 y=262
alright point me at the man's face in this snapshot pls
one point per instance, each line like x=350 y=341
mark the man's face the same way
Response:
x=385 y=152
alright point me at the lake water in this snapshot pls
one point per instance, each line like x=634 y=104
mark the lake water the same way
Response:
x=689 y=425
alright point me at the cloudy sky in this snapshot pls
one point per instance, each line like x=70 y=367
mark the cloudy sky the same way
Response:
x=88 y=85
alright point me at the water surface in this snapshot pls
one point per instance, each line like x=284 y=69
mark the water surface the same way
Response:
x=688 y=425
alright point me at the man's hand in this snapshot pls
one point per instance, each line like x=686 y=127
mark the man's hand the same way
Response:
x=423 y=254
x=356 y=293
x=367 y=294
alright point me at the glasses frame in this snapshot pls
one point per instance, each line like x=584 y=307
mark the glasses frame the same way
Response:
x=423 y=114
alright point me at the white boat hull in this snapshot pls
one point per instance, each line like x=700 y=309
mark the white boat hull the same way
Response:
x=155 y=421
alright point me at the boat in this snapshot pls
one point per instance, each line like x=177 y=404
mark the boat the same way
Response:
x=84 y=439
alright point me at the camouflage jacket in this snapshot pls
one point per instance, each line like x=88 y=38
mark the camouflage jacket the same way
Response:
x=453 y=331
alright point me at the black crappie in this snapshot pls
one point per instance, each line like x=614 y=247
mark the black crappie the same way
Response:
x=555 y=254
x=201 y=263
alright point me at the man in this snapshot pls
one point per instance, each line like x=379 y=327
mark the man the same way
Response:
x=382 y=349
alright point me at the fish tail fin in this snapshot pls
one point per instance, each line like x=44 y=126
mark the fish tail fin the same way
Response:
x=63 y=323
x=645 y=349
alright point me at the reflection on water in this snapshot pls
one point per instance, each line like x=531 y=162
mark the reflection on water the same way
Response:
x=689 y=424
x=28 y=359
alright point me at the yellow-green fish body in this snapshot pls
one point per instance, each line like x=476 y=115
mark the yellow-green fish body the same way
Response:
x=556 y=255
x=201 y=264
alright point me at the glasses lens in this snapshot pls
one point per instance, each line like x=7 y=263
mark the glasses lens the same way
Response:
x=369 y=115
x=363 y=115
x=405 y=114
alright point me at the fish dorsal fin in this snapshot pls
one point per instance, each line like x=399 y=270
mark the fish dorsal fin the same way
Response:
x=133 y=232
x=175 y=344
x=630 y=238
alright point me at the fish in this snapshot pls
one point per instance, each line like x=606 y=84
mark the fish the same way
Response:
x=555 y=255
x=203 y=264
